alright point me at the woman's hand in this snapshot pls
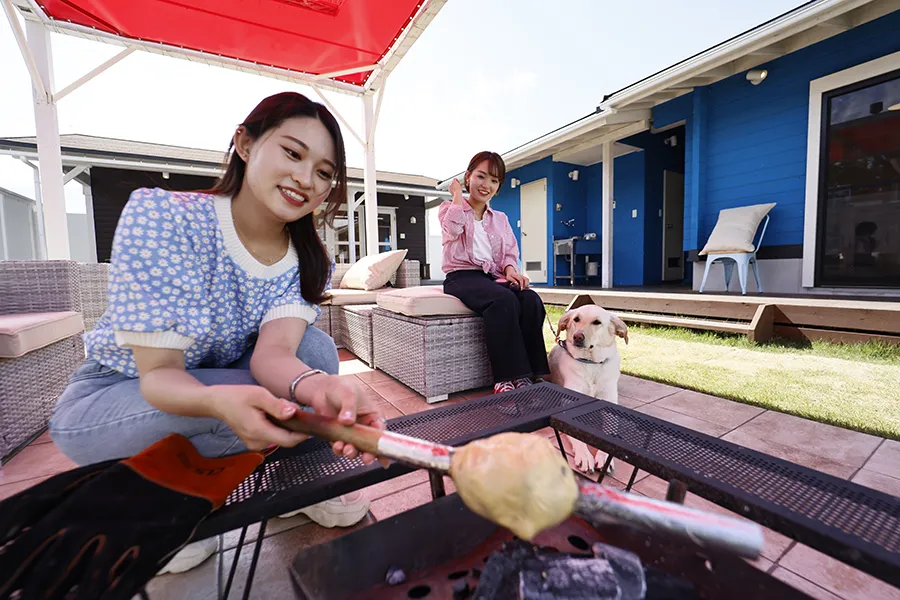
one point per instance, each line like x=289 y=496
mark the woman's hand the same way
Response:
x=512 y=275
x=336 y=397
x=244 y=408
x=457 y=191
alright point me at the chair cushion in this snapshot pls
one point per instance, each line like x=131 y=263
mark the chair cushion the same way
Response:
x=25 y=332
x=373 y=272
x=344 y=297
x=422 y=301
x=735 y=229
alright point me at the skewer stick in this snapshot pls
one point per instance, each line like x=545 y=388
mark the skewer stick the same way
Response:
x=596 y=503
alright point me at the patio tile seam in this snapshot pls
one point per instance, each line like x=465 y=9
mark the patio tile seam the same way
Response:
x=756 y=416
x=677 y=391
x=811 y=582
x=868 y=458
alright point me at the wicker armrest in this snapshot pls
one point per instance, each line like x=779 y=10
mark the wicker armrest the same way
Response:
x=407 y=275
x=39 y=286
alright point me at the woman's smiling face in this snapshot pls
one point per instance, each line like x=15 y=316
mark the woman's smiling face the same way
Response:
x=290 y=169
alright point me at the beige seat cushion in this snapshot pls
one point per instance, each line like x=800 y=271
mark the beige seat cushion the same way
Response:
x=373 y=272
x=25 y=332
x=422 y=301
x=735 y=229
x=341 y=297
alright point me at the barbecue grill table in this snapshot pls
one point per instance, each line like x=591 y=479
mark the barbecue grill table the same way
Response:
x=443 y=543
x=852 y=523
x=294 y=478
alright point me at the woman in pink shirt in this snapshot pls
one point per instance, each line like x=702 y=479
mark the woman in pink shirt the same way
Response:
x=480 y=258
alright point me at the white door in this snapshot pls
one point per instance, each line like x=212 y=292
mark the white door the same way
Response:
x=533 y=208
x=673 y=226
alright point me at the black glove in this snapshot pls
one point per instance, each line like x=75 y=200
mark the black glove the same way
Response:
x=104 y=530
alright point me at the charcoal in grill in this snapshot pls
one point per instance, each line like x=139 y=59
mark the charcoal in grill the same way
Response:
x=525 y=571
x=569 y=578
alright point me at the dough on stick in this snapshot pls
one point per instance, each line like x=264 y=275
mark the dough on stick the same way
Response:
x=517 y=480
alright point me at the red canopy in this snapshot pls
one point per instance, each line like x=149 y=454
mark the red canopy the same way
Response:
x=302 y=36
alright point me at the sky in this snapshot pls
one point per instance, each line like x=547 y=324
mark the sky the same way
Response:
x=485 y=74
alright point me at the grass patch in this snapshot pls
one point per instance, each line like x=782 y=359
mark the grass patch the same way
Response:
x=856 y=386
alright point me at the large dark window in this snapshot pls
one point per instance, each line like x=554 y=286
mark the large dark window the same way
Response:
x=859 y=187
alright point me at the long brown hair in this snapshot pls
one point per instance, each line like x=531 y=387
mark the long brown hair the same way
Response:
x=315 y=262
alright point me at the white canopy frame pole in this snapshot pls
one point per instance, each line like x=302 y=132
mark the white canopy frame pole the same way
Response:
x=50 y=197
x=41 y=253
x=351 y=223
x=53 y=197
x=369 y=177
x=606 y=278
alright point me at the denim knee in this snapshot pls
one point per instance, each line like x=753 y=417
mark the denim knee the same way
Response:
x=319 y=351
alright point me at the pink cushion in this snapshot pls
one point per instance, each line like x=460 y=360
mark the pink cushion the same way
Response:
x=24 y=332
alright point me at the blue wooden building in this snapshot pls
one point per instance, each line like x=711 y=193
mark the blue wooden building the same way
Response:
x=802 y=111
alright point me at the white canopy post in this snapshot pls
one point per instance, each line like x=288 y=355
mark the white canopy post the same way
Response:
x=607 y=231
x=53 y=198
x=369 y=176
x=351 y=223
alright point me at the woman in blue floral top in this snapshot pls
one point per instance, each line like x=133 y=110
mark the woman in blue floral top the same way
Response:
x=212 y=298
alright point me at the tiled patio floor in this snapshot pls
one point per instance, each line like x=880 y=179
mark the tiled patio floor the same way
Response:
x=865 y=459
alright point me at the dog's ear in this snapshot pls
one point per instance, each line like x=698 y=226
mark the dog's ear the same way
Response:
x=619 y=327
x=563 y=322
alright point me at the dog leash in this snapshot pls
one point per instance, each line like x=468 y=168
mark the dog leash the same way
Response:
x=562 y=344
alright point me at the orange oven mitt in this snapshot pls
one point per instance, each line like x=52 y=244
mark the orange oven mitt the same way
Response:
x=102 y=531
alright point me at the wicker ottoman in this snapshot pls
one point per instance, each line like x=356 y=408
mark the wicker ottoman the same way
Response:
x=435 y=356
x=353 y=330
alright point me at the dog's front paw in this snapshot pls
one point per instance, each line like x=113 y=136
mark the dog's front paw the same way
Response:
x=600 y=459
x=584 y=462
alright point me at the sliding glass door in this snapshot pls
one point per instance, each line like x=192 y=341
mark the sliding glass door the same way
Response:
x=859 y=190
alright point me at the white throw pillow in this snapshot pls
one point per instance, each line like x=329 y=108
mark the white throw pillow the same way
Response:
x=735 y=229
x=373 y=272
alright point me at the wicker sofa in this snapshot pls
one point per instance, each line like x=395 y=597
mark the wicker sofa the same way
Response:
x=41 y=322
x=352 y=329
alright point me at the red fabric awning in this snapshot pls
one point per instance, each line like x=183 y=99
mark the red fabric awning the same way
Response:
x=306 y=36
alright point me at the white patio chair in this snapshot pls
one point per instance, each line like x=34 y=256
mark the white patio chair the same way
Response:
x=731 y=243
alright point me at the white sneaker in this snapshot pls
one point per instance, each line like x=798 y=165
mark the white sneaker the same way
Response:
x=191 y=556
x=342 y=511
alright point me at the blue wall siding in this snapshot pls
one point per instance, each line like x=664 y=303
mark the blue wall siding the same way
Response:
x=628 y=232
x=752 y=140
x=673 y=111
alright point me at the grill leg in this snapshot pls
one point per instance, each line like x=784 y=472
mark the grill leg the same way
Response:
x=631 y=480
x=237 y=551
x=234 y=563
x=605 y=469
x=253 y=561
x=676 y=492
x=437 y=485
x=561 y=447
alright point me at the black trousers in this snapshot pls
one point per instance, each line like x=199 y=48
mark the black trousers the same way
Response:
x=513 y=323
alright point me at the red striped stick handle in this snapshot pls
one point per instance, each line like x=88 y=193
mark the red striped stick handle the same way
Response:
x=602 y=504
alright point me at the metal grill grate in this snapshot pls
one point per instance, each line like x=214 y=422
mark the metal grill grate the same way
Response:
x=799 y=490
x=855 y=524
x=313 y=464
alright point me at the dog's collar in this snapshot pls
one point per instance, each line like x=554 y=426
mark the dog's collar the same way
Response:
x=562 y=344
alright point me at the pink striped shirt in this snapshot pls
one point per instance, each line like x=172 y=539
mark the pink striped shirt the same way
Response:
x=458 y=239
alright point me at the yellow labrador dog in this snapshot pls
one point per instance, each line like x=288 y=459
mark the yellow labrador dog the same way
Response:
x=588 y=362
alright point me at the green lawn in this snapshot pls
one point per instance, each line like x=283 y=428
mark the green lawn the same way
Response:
x=854 y=386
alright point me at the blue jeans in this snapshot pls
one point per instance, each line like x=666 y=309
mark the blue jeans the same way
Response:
x=102 y=415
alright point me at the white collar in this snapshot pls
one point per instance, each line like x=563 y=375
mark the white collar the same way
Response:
x=240 y=254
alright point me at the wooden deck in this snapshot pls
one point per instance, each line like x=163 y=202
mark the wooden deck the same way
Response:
x=759 y=317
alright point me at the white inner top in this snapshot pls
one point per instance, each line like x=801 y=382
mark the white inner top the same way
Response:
x=482 y=245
